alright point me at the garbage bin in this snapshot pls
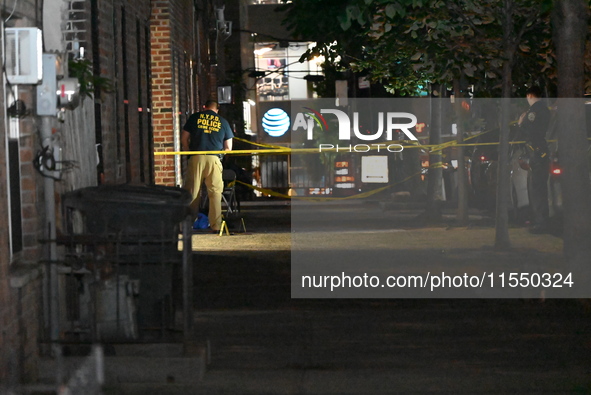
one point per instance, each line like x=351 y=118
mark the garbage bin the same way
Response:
x=132 y=232
x=134 y=212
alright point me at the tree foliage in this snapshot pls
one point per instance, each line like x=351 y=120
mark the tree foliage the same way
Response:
x=317 y=20
x=406 y=43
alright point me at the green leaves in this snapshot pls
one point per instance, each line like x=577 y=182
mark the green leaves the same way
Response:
x=352 y=14
x=416 y=56
x=402 y=43
x=524 y=48
x=469 y=69
x=89 y=82
x=390 y=11
x=344 y=21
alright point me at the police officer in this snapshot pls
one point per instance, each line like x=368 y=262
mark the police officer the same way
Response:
x=207 y=131
x=534 y=125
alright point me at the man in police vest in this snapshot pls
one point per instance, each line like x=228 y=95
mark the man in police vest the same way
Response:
x=534 y=124
x=207 y=131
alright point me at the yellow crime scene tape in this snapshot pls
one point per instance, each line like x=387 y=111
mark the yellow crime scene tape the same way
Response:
x=363 y=195
x=259 y=144
x=269 y=149
x=275 y=149
x=270 y=192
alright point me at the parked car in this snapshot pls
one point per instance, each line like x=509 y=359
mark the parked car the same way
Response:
x=482 y=175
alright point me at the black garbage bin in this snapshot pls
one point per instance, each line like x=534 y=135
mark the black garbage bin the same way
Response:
x=134 y=212
x=132 y=230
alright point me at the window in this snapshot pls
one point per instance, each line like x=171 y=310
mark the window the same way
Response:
x=282 y=73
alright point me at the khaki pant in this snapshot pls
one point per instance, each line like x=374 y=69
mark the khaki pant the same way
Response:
x=208 y=168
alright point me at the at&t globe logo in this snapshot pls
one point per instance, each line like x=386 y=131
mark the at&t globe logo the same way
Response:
x=276 y=122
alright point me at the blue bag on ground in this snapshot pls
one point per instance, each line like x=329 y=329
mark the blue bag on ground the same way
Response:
x=202 y=222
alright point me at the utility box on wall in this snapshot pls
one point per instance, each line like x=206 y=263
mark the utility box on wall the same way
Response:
x=47 y=95
x=24 y=50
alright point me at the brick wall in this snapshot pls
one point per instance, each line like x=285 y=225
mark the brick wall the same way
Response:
x=20 y=319
x=162 y=91
x=31 y=191
x=156 y=54
x=19 y=296
x=181 y=75
x=121 y=57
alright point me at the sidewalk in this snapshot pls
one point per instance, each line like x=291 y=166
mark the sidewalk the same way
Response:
x=261 y=341
x=272 y=226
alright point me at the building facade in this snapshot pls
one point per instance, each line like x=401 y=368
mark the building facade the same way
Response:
x=143 y=67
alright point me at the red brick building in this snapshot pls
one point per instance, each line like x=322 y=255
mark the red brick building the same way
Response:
x=182 y=75
x=158 y=60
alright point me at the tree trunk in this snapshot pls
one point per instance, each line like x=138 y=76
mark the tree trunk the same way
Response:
x=435 y=175
x=462 y=213
x=569 y=20
x=503 y=177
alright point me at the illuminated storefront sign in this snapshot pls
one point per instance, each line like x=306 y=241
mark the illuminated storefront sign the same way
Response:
x=276 y=122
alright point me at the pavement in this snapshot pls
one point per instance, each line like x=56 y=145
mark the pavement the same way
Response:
x=254 y=334
x=260 y=340
x=253 y=337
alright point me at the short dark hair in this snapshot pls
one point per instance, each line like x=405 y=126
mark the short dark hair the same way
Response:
x=534 y=90
x=214 y=105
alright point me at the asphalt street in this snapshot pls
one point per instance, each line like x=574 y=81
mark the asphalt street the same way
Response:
x=260 y=340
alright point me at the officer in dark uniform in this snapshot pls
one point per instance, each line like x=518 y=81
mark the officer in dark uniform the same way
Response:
x=207 y=131
x=534 y=125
